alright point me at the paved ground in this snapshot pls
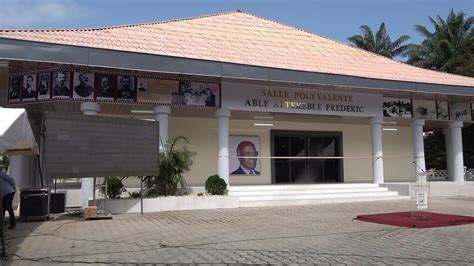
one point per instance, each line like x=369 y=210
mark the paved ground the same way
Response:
x=321 y=234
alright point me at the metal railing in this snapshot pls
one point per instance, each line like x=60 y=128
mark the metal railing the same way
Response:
x=442 y=175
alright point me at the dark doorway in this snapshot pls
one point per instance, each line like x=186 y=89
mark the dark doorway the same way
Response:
x=302 y=144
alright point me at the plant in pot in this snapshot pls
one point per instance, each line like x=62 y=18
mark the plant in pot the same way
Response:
x=174 y=162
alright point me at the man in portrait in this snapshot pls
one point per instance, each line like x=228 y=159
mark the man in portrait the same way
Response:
x=15 y=88
x=126 y=88
x=247 y=165
x=43 y=84
x=83 y=89
x=60 y=88
x=29 y=91
x=105 y=90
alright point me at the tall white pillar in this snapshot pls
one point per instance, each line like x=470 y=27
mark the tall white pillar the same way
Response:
x=223 y=116
x=449 y=154
x=456 y=155
x=377 y=149
x=419 y=149
x=87 y=184
x=162 y=115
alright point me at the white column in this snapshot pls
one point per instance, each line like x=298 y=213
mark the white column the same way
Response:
x=449 y=154
x=377 y=149
x=87 y=184
x=455 y=150
x=419 y=149
x=162 y=115
x=222 y=116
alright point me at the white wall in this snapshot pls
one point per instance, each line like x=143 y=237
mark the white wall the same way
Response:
x=202 y=136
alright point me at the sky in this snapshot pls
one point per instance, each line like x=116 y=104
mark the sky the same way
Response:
x=336 y=19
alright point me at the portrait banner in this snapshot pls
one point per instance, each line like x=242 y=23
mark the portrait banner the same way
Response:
x=460 y=111
x=61 y=84
x=424 y=109
x=28 y=92
x=105 y=87
x=83 y=86
x=397 y=107
x=442 y=110
x=151 y=90
x=241 y=146
x=44 y=85
x=14 y=91
x=199 y=94
x=126 y=88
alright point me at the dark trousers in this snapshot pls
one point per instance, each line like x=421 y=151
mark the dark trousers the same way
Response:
x=7 y=206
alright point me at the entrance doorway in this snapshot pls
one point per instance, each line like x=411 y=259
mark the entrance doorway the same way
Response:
x=301 y=144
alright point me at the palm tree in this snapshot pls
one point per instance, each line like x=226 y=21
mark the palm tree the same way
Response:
x=380 y=43
x=450 y=36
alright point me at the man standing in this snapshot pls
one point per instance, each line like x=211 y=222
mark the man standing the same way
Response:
x=247 y=165
x=7 y=191
x=29 y=91
x=60 y=88
x=83 y=89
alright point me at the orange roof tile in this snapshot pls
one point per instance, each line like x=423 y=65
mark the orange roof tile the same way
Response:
x=242 y=38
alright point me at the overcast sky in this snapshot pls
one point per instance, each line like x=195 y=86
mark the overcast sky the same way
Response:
x=336 y=19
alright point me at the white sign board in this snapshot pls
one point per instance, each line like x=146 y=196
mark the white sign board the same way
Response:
x=261 y=98
x=421 y=200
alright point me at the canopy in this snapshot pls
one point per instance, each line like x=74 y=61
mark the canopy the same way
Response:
x=16 y=136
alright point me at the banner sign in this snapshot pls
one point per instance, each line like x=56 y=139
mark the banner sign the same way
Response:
x=108 y=87
x=248 y=97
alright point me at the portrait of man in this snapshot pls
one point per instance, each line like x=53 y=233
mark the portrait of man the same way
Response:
x=61 y=83
x=15 y=89
x=43 y=86
x=29 y=89
x=105 y=87
x=199 y=93
x=126 y=87
x=241 y=147
x=82 y=85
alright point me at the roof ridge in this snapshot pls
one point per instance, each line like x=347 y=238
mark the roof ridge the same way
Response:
x=125 y=25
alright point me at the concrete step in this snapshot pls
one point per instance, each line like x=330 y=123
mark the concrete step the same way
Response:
x=259 y=203
x=362 y=194
x=301 y=186
x=306 y=191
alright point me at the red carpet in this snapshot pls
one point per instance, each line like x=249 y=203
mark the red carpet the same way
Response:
x=409 y=219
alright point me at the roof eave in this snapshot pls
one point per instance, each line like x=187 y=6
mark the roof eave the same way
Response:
x=13 y=49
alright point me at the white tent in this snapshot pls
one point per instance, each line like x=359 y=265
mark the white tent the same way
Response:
x=16 y=136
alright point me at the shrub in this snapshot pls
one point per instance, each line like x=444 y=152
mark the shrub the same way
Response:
x=114 y=187
x=216 y=185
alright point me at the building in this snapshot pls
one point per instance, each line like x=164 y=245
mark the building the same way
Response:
x=316 y=110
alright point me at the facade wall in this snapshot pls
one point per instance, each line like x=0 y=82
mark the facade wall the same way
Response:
x=202 y=136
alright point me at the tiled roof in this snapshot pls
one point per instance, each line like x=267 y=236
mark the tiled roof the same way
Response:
x=238 y=37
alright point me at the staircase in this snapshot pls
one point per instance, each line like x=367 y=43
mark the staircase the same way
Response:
x=282 y=195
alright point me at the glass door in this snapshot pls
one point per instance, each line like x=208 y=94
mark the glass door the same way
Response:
x=302 y=145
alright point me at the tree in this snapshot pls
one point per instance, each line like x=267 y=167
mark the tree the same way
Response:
x=380 y=43
x=445 y=48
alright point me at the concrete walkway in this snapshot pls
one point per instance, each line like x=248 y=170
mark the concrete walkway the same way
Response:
x=321 y=234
